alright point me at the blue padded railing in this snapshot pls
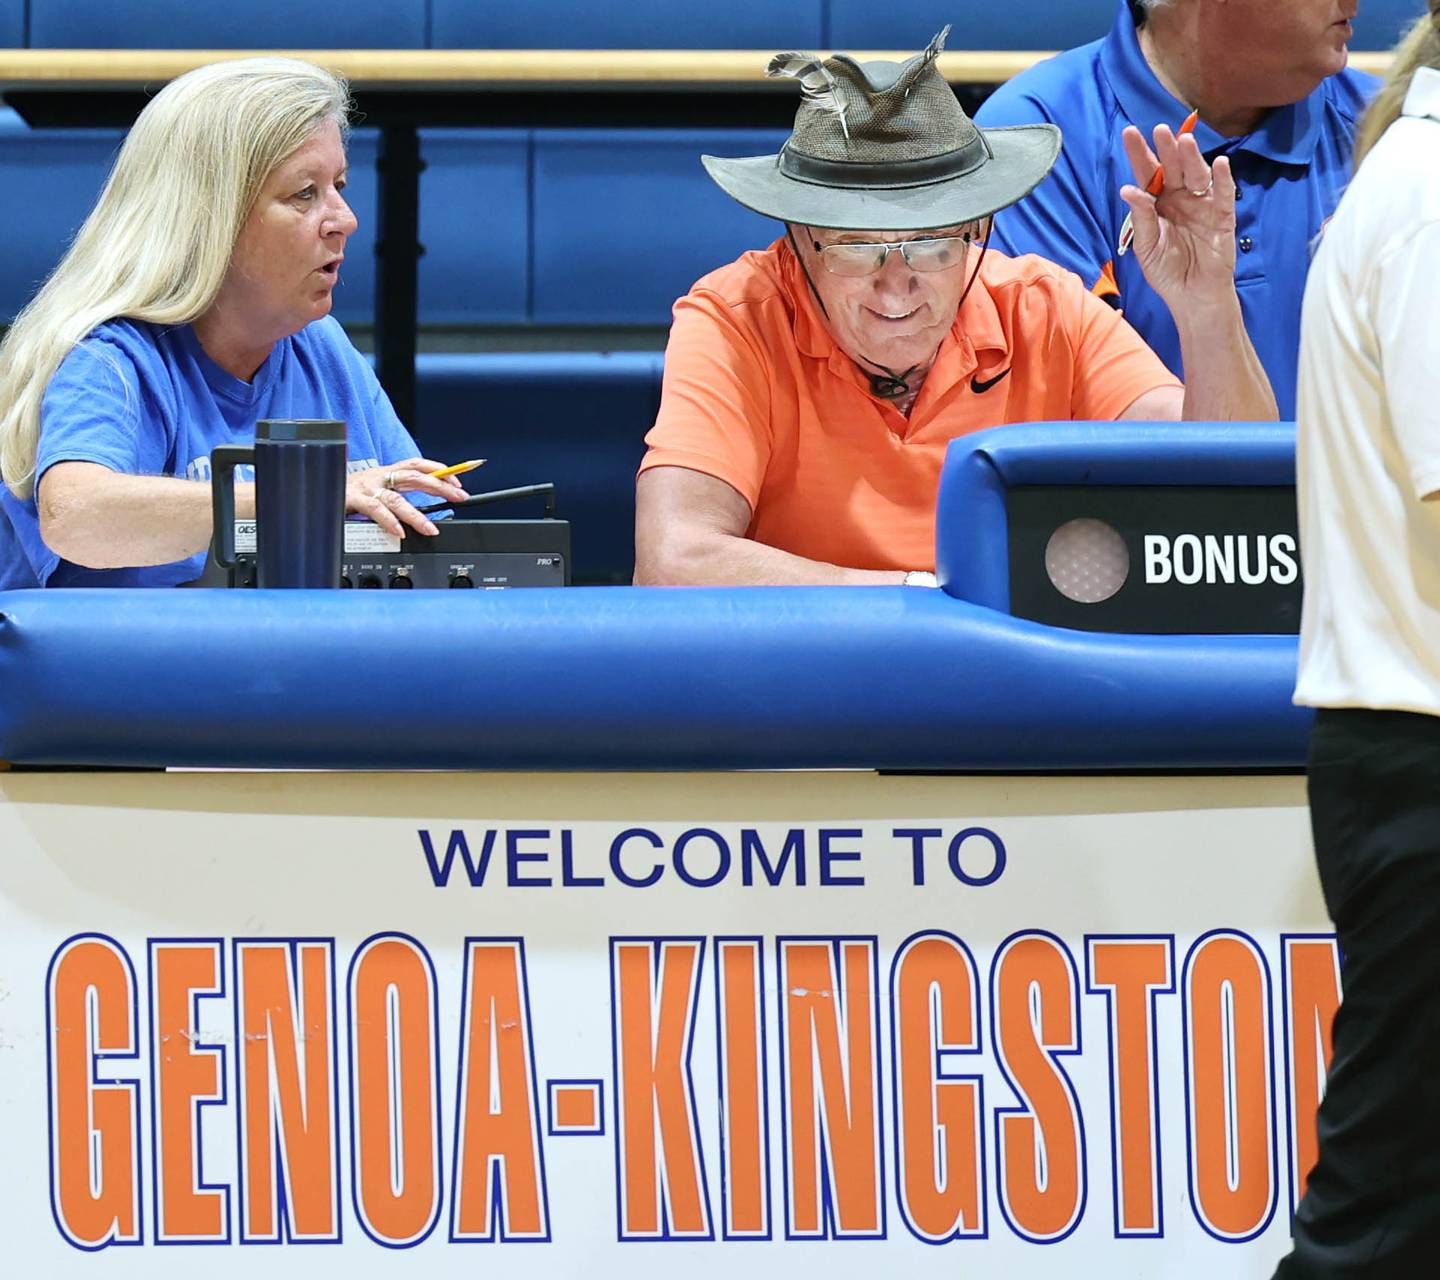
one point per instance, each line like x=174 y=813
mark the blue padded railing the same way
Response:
x=971 y=558
x=621 y=678
x=681 y=678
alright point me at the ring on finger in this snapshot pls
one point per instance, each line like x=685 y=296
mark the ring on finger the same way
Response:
x=390 y=479
x=1205 y=191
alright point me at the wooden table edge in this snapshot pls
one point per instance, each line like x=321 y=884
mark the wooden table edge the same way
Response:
x=485 y=69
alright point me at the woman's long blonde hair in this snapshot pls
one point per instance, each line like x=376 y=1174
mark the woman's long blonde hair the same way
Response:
x=1419 y=47
x=158 y=242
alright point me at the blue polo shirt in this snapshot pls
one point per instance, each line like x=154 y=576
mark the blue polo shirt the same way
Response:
x=1289 y=174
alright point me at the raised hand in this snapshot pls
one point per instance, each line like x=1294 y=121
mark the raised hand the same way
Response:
x=1185 y=235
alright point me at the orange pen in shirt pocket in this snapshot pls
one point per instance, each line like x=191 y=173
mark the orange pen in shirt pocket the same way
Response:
x=1153 y=187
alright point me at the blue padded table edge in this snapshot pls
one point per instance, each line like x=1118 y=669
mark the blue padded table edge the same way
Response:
x=622 y=678
x=971 y=512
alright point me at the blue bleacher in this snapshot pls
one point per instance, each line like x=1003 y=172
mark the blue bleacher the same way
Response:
x=909 y=24
x=496 y=254
x=637 y=24
x=50 y=178
x=258 y=24
x=624 y=221
x=475 y=224
x=581 y=24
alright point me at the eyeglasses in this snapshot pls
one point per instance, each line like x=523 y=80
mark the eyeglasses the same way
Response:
x=937 y=254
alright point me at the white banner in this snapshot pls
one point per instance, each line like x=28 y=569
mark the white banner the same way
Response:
x=569 y=1025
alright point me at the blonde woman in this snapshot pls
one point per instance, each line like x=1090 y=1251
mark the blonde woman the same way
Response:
x=194 y=302
x=1368 y=472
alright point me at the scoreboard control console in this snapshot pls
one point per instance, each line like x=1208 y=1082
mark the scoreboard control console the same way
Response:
x=465 y=554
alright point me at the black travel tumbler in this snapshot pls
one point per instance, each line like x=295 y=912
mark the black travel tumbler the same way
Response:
x=299 y=501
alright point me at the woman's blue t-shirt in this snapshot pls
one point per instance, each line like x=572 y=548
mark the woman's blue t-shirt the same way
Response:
x=146 y=400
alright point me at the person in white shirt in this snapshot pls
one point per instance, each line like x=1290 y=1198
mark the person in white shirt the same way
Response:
x=1368 y=473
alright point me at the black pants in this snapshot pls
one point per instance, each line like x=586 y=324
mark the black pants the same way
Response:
x=1372 y=1207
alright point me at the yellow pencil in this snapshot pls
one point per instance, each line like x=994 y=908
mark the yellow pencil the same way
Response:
x=458 y=469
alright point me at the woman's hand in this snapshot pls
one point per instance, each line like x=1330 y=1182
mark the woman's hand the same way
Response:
x=376 y=493
x=1185 y=236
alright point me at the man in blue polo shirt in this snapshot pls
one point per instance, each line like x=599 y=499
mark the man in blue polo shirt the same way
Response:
x=1269 y=81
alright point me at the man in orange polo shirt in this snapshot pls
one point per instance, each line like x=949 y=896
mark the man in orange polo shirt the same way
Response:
x=811 y=388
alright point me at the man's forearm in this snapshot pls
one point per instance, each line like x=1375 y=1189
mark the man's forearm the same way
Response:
x=723 y=560
x=1224 y=379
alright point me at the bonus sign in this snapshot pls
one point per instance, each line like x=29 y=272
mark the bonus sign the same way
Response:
x=771 y=1019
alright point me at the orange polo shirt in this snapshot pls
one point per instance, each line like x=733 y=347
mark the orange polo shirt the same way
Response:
x=757 y=394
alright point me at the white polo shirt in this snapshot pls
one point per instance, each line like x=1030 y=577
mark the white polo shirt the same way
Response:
x=1369 y=430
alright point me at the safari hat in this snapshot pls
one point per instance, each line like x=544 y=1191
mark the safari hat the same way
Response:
x=885 y=146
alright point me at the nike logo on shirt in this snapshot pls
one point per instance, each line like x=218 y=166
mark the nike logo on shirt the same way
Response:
x=980 y=388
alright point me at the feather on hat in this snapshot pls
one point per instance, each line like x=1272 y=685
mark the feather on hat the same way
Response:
x=885 y=146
